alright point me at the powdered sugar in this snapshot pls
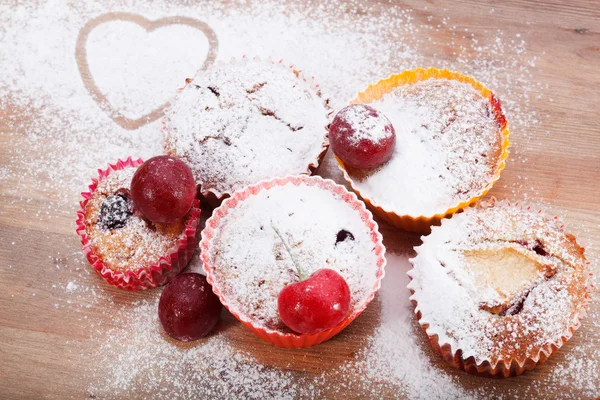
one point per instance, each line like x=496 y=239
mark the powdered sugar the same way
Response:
x=395 y=353
x=128 y=78
x=447 y=148
x=139 y=358
x=71 y=286
x=577 y=369
x=57 y=136
x=116 y=179
x=365 y=125
x=454 y=309
x=242 y=122
x=61 y=115
x=250 y=263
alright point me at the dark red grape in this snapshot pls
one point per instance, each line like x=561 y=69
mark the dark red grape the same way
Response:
x=362 y=137
x=188 y=309
x=163 y=189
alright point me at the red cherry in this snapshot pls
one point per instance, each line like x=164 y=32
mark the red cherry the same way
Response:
x=362 y=137
x=497 y=111
x=163 y=189
x=188 y=309
x=315 y=304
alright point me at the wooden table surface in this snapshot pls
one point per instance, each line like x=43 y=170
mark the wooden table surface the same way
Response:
x=43 y=349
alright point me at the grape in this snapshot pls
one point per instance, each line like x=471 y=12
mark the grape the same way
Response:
x=163 y=189
x=362 y=137
x=188 y=309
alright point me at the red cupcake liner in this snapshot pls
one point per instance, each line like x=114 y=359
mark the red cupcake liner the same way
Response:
x=151 y=276
x=508 y=367
x=213 y=196
x=291 y=340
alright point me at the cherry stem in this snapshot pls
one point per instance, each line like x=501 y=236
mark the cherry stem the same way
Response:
x=287 y=248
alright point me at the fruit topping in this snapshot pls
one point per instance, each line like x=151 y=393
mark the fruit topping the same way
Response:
x=163 y=189
x=497 y=111
x=115 y=211
x=188 y=309
x=362 y=137
x=537 y=247
x=316 y=303
x=505 y=276
x=343 y=235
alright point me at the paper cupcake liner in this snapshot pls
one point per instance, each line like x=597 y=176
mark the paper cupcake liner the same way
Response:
x=423 y=223
x=214 y=196
x=151 y=276
x=504 y=368
x=291 y=340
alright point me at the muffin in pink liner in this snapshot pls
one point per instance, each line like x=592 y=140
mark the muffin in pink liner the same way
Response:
x=123 y=247
x=499 y=288
x=243 y=121
x=324 y=226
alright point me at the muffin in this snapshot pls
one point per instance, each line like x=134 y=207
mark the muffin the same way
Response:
x=451 y=145
x=124 y=247
x=499 y=288
x=241 y=122
x=325 y=226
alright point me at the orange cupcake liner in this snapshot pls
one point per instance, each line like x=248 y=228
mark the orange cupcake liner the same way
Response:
x=151 y=276
x=504 y=368
x=290 y=340
x=423 y=223
x=215 y=197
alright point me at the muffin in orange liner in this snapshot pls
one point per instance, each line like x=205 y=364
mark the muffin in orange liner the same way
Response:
x=271 y=121
x=324 y=225
x=499 y=288
x=495 y=158
x=134 y=253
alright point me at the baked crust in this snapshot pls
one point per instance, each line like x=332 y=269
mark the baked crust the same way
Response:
x=516 y=283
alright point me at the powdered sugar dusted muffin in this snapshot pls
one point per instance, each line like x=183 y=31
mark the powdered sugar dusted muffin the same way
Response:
x=125 y=248
x=324 y=226
x=499 y=288
x=241 y=122
x=451 y=141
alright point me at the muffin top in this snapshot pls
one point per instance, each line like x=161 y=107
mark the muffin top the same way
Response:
x=251 y=266
x=448 y=148
x=119 y=235
x=241 y=122
x=500 y=283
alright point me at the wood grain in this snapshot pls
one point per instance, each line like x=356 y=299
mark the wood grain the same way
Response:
x=43 y=348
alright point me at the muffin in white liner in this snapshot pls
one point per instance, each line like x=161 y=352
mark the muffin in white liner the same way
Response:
x=247 y=120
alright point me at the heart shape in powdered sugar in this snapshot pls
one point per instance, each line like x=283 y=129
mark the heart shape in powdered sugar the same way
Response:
x=131 y=65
